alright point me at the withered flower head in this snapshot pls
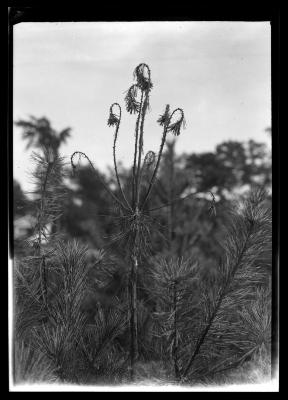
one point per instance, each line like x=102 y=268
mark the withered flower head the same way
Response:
x=113 y=118
x=143 y=82
x=175 y=127
x=132 y=105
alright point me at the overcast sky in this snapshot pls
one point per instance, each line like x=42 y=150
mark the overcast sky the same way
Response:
x=218 y=72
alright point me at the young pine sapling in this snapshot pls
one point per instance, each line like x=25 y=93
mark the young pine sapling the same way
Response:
x=131 y=206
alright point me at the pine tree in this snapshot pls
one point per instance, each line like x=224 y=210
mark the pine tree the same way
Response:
x=217 y=325
x=136 y=223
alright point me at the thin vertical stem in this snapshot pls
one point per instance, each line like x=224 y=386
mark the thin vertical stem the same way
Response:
x=166 y=128
x=157 y=166
x=42 y=207
x=114 y=159
x=175 y=333
x=171 y=191
x=42 y=267
x=134 y=182
x=133 y=315
x=43 y=280
x=140 y=150
x=119 y=202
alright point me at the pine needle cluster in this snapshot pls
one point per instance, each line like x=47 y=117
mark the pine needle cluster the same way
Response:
x=51 y=326
x=214 y=326
x=48 y=194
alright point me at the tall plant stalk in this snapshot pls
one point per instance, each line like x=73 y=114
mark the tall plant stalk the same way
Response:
x=171 y=158
x=136 y=219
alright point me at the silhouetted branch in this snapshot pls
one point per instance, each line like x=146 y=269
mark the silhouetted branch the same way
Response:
x=80 y=153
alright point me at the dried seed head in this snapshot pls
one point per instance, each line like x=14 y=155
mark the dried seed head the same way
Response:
x=175 y=127
x=143 y=82
x=132 y=105
x=113 y=118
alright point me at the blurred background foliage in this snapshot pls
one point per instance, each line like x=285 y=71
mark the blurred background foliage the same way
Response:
x=188 y=227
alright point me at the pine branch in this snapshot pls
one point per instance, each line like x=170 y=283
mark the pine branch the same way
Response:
x=60 y=337
x=175 y=128
x=155 y=170
x=174 y=201
x=134 y=177
x=48 y=180
x=140 y=149
x=247 y=234
x=116 y=121
x=80 y=153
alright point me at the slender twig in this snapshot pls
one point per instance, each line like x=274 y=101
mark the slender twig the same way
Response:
x=114 y=154
x=171 y=148
x=43 y=280
x=173 y=201
x=175 y=328
x=212 y=208
x=110 y=215
x=155 y=169
x=40 y=214
x=147 y=163
x=140 y=148
x=135 y=151
x=181 y=199
x=99 y=178
x=166 y=129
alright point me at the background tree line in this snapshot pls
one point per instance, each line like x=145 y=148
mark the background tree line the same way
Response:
x=226 y=172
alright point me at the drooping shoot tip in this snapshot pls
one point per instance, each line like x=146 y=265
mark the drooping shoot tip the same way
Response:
x=114 y=119
x=175 y=127
x=142 y=74
x=132 y=104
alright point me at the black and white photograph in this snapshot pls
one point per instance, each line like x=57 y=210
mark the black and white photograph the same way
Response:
x=142 y=207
